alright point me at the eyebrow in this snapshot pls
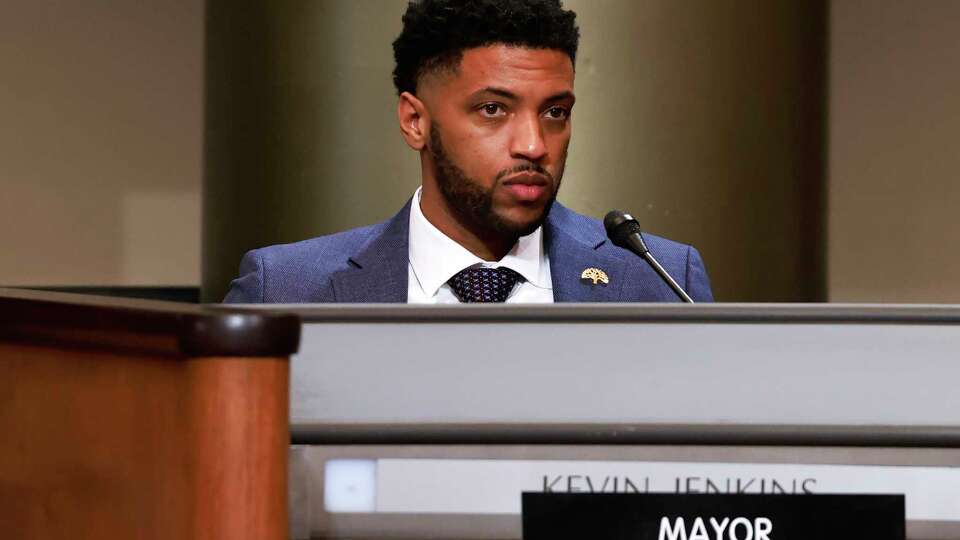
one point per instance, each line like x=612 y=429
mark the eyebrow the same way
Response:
x=566 y=94
x=495 y=91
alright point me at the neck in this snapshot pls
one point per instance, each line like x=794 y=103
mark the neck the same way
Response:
x=485 y=244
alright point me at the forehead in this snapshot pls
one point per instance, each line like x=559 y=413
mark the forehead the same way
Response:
x=518 y=69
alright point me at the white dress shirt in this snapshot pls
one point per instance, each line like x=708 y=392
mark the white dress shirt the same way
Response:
x=435 y=258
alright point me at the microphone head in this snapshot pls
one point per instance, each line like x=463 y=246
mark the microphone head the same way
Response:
x=620 y=226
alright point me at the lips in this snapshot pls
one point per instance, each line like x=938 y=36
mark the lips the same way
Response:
x=527 y=178
x=527 y=186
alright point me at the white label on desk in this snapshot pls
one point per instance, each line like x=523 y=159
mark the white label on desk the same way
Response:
x=476 y=486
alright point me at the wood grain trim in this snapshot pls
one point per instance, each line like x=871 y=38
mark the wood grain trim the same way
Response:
x=240 y=439
x=104 y=446
x=144 y=326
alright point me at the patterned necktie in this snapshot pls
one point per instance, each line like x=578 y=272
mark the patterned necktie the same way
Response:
x=481 y=284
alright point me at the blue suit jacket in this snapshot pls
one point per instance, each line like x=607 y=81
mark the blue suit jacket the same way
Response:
x=370 y=264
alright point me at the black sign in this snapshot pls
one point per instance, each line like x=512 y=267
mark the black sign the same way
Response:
x=642 y=516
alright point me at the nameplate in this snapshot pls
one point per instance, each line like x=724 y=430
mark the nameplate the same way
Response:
x=493 y=486
x=624 y=516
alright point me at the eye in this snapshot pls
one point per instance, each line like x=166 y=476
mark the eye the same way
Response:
x=492 y=110
x=557 y=113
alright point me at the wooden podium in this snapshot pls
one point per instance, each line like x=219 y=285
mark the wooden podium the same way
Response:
x=124 y=419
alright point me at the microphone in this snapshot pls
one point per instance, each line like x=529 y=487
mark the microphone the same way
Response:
x=624 y=231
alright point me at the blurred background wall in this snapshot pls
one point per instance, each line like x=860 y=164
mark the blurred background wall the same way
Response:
x=894 y=174
x=800 y=145
x=101 y=142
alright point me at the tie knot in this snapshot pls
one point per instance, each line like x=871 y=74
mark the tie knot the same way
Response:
x=481 y=284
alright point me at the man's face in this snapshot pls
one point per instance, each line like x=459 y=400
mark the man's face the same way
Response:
x=500 y=126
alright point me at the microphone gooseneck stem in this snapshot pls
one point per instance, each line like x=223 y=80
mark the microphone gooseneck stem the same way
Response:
x=624 y=231
x=666 y=277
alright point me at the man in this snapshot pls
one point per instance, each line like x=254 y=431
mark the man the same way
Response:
x=485 y=96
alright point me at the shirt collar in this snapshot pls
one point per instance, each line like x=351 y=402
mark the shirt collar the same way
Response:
x=435 y=257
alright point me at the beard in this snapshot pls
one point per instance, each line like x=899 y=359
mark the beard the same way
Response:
x=472 y=203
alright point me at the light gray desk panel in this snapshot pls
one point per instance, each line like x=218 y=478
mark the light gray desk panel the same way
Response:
x=631 y=372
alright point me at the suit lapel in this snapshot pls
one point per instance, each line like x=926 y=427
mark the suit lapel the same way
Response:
x=573 y=252
x=378 y=270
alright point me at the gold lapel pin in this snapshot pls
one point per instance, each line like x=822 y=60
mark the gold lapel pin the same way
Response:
x=596 y=275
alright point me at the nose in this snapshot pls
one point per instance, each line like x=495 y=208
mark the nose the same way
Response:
x=527 y=141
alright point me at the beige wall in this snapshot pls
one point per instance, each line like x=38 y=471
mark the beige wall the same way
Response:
x=100 y=142
x=894 y=170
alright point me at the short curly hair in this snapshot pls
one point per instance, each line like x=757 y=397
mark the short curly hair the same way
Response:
x=436 y=32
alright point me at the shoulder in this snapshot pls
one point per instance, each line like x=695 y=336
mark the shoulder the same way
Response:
x=329 y=252
x=299 y=271
x=682 y=261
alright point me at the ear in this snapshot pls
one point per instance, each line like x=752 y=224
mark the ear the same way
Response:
x=414 y=120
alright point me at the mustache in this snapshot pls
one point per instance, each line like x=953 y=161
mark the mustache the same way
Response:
x=526 y=167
